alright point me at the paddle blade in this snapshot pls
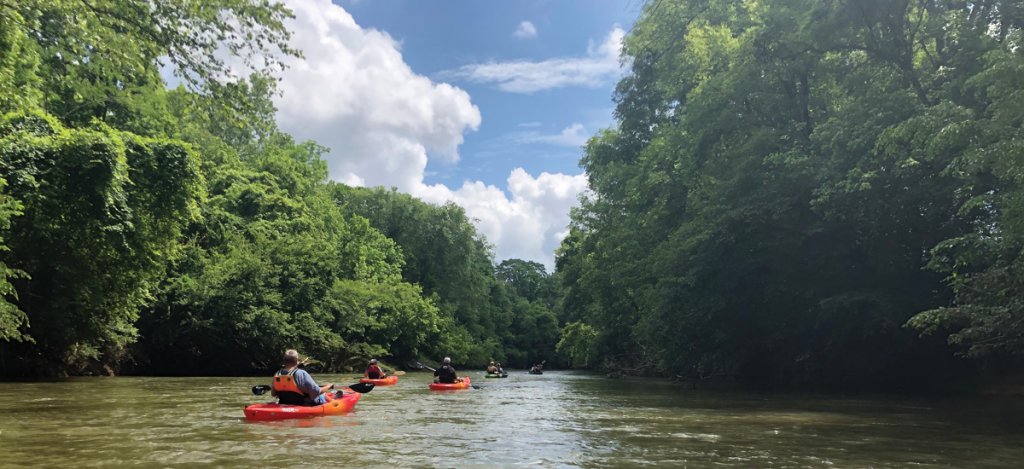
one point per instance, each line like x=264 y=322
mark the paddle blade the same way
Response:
x=422 y=366
x=362 y=388
x=399 y=373
x=260 y=389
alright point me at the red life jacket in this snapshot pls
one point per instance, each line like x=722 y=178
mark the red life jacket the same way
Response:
x=374 y=372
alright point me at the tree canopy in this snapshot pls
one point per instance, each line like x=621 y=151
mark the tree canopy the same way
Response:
x=794 y=191
x=179 y=231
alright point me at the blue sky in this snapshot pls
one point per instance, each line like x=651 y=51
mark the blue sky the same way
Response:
x=484 y=104
x=437 y=36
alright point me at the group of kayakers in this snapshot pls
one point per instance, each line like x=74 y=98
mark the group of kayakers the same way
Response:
x=444 y=374
x=294 y=386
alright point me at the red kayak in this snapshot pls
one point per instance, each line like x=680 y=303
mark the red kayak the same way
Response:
x=449 y=386
x=334 y=406
x=390 y=380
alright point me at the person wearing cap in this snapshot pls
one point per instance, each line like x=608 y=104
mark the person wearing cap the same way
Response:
x=374 y=372
x=492 y=369
x=294 y=386
x=446 y=374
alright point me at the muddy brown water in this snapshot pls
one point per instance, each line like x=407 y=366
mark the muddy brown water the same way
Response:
x=558 y=419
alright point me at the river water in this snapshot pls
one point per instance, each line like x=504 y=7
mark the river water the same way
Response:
x=559 y=419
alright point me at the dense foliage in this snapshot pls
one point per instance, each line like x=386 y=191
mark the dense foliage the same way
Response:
x=180 y=232
x=503 y=313
x=806 y=192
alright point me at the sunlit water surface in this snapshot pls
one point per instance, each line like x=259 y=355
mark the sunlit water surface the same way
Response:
x=559 y=419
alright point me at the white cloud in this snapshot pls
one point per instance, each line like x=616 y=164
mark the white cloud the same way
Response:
x=531 y=224
x=354 y=93
x=526 y=30
x=573 y=136
x=600 y=65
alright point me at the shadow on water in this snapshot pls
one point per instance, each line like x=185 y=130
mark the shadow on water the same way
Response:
x=558 y=419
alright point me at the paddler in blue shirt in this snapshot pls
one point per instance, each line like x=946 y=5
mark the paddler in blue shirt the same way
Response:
x=294 y=386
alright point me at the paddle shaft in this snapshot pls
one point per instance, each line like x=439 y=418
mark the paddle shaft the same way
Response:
x=361 y=388
x=422 y=366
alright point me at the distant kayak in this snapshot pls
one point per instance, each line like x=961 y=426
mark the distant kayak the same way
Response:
x=390 y=380
x=449 y=386
x=495 y=375
x=535 y=372
x=334 y=406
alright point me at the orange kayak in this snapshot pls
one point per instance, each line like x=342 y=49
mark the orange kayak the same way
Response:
x=393 y=379
x=445 y=386
x=334 y=406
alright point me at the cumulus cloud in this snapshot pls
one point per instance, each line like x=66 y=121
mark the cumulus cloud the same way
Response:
x=354 y=93
x=600 y=65
x=528 y=225
x=526 y=30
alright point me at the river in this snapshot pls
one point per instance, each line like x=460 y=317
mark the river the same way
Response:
x=559 y=419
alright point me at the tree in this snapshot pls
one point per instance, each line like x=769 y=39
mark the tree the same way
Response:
x=102 y=211
x=527 y=279
x=779 y=171
x=485 y=318
x=12 y=319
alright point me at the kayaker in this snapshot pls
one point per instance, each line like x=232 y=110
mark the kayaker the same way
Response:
x=446 y=373
x=491 y=369
x=374 y=372
x=499 y=369
x=294 y=386
x=536 y=369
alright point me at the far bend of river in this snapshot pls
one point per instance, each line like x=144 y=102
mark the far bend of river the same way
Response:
x=559 y=419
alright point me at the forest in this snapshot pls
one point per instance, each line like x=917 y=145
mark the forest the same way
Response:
x=177 y=231
x=798 y=194
x=807 y=194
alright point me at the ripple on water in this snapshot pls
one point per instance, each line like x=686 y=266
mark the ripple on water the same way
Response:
x=708 y=437
x=554 y=420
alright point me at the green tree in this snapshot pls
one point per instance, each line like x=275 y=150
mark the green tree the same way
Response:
x=527 y=279
x=12 y=319
x=102 y=211
x=779 y=171
x=503 y=312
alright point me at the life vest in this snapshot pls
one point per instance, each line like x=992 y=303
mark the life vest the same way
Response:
x=287 y=391
x=446 y=374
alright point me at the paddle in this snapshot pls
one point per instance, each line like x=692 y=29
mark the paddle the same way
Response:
x=361 y=388
x=422 y=366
